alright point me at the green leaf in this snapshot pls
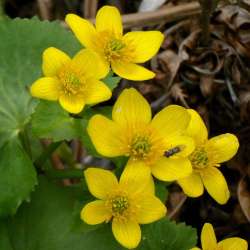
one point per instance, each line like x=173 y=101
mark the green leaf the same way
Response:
x=17 y=177
x=111 y=81
x=51 y=121
x=15 y=108
x=90 y=111
x=161 y=190
x=78 y=225
x=46 y=223
x=167 y=235
x=49 y=221
x=21 y=47
x=5 y=243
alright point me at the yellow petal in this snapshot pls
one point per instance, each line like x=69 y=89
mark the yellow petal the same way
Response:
x=197 y=128
x=222 y=148
x=195 y=248
x=171 y=169
x=47 y=88
x=109 y=18
x=91 y=64
x=53 y=60
x=83 y=30
x=131 y=108
x=150 y=209
x=215 y=184
x=127 y=232
x=234 y=243
x=192 y=185
x=171 y=121
x=95 y=212
x=144 y=43
x=136 y=179
x=131 y=71
x=184 y=143
x=106 y=136
x=96 y=92
x=208 y=238
x=72 y=104
x=100 y=182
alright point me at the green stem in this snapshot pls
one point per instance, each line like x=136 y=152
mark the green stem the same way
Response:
x=26 y=141
x=40 y=161
x=64 y=174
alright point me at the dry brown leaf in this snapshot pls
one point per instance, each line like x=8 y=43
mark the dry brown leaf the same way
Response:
x=170 y=63
x=234 y=17
x=206 y=85
x=244 y=98
x=188 y=43
x=178 y=93
x=244 y=196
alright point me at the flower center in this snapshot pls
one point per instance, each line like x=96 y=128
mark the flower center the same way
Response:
x=71 y=79
x=113 y=49
x=140 y=147
x=119 y=204
x=116 y=45
x=199 y=158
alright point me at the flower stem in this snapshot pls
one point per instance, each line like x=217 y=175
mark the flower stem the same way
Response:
x=24 y=136
x=64 y=174
x=40 y=161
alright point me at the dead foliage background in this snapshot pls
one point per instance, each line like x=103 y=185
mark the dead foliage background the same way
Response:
x=204 y=63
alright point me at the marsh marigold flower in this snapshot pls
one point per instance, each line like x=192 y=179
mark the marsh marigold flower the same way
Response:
x=73 y=82
x=126 y=203
x=132 y=132
x=209 y=242
x=121 y=52
x=206 y=159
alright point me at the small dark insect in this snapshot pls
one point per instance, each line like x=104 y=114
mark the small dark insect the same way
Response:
x=172 y=151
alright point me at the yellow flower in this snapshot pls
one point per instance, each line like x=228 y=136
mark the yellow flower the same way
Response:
x=128 y=203
x=74 y=82
x=132 y=132
x=209 y=242
x=119 y=51
x=206 y=159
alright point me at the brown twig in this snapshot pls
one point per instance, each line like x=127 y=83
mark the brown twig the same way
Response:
x=162 y=15
x=173 y=214
x=166 y=15
x=208 y=7
x=44 y=9
x=90 y=8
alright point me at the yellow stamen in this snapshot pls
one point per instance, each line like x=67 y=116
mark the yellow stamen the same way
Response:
x=72 y=80
x=140 y=147
x=113 y=49
x=119 y=204
x=199 y=158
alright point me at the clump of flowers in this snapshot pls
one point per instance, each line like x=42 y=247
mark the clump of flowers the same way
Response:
x=128 y=203
x=171 y=146
x=115 y=50
x=209 y=242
